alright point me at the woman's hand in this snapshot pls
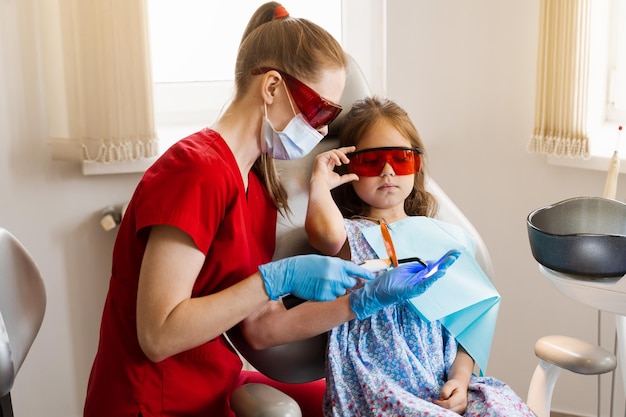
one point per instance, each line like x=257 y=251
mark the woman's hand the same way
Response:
x=324 y=167
x=311 y=277
x=453 y=396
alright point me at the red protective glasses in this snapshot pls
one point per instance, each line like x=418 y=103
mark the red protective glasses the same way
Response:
x=370 y=162
x=316 y=109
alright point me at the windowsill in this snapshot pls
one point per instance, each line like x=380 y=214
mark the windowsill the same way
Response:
x=120 y=167
x=595 y=162
x=604 y=142
x=167 y=134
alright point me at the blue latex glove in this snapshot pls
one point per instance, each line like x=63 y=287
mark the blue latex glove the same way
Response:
x=399 y=284
x=311 y=277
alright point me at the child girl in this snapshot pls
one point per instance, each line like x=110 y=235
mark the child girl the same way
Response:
x=392 y=362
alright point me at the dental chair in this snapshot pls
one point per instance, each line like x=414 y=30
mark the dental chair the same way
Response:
x=303 y=361
x=22 y=307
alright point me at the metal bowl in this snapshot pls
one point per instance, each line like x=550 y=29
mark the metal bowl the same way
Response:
x=584 y=236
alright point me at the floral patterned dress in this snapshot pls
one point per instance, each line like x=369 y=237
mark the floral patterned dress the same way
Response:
x=393 y=363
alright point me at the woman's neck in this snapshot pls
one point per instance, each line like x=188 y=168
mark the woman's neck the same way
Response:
x=242 y=134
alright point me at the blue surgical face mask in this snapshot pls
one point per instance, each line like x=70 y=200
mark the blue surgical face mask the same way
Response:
x=295 y=141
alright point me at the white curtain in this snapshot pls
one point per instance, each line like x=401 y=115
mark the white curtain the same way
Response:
x=98 y=80
x=562 y=79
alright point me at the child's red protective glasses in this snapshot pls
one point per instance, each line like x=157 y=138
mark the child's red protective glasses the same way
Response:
x=370 y=162
x=316 y=109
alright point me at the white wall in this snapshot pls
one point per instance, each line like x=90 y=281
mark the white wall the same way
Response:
x=464 y=71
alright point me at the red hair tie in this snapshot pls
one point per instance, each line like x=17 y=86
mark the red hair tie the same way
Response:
x=280 y=12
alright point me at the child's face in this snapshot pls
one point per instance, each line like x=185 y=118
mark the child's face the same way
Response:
x=387 y=191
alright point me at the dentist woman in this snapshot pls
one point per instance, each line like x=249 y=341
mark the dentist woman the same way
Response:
x=192 y=255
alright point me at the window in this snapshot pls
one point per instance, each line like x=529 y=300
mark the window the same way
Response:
x=194 y=46
x=606 y=107
x=616 y=102
x=607 y=80
x=197 y=40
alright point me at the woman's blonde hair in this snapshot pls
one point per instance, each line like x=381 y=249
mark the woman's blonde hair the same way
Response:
x=296 y=46
x=363 y=115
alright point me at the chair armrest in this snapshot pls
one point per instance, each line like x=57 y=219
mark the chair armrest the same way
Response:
x=260 y=400
x=575 y=355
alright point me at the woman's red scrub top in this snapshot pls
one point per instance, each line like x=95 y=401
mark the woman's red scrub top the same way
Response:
x=197 y=187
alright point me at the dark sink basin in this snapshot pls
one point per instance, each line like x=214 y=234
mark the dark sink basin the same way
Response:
x=584 y=236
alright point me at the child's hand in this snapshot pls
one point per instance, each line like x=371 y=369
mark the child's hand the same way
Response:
x=453 y=396
x=324 y=167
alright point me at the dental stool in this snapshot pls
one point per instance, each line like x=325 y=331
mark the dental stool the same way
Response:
x=556 y=353
x=22 y=307
x=304 y=361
